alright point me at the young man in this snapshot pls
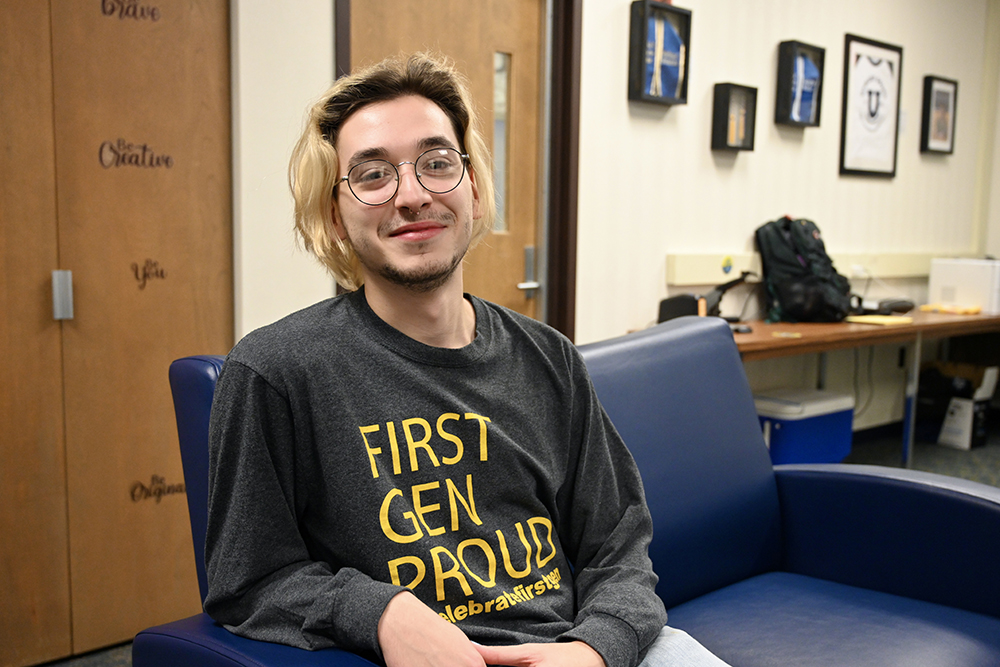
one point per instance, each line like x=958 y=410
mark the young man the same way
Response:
x=405 y=470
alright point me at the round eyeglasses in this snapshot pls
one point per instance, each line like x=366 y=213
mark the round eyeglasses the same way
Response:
x=375 y=182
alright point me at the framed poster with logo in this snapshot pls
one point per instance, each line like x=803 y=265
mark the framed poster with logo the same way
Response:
x=937 y=126
x=659 y=53
x=870 y=120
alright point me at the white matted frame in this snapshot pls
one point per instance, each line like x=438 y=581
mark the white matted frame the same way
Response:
x=870 y=119
x=937 y=126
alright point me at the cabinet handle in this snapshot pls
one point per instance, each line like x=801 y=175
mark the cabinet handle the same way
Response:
x=62 y=295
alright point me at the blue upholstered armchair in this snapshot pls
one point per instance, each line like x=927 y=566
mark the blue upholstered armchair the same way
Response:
x=199 y=640
x=790 y=565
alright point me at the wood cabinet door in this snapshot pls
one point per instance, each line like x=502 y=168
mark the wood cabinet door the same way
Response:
x=34 y=574
x=115 y=155
x=142 y=146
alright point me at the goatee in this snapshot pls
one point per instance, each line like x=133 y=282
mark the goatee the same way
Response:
x=426 y=280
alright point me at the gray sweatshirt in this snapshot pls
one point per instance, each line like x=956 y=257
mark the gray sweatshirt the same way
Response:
x=349 y=461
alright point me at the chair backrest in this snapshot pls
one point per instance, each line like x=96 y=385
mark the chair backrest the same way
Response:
x=192 y=383
x=679 y=397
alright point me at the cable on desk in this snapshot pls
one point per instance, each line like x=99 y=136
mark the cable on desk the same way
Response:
x=871 y=381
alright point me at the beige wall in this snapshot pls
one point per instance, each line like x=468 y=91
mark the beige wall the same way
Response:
x=650 y=185
x=282 y=59
x=688 y=199
x=991 y=160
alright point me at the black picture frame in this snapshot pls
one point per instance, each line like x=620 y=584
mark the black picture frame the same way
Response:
x=660 y=43
x=799 y=97
x=869 y=124
x=734 y=114
x=937 y=124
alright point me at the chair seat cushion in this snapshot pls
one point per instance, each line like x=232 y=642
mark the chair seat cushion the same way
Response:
x=198 y=640
x=780 y=619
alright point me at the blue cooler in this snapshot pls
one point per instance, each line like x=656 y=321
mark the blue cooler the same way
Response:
x=806 y=425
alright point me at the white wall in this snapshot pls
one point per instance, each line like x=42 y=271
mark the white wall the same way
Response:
x=689 y=199
x=650 y=185
x=991 y=161
x=282 y=59
x=993 y=227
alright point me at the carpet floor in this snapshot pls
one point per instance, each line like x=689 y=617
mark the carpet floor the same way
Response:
x=885 y=447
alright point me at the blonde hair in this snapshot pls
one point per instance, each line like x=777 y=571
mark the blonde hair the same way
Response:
x=314 y=167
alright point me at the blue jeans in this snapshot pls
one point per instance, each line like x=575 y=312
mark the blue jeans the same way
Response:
x=676 y=648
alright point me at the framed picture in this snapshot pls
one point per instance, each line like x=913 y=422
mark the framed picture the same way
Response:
x=870 y=122
x=937 y=125
x=734 y=111
x=800 y=84
x=659 y=53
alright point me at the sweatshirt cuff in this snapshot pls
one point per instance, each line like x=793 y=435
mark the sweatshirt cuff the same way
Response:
x=612 y=637
x=361 y=605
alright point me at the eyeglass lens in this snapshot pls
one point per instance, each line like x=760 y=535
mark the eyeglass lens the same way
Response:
x=374 y=182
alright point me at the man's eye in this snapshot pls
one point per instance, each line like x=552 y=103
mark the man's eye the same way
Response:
x=372 y=174
x=439 y=165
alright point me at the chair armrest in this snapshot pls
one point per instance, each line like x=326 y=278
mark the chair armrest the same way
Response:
x=198 y=640
x=914 y=534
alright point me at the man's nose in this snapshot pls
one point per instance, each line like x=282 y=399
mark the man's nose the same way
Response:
x=410 y=194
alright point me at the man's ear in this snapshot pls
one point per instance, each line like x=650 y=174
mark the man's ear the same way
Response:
x=476 y=212
x=338 y=224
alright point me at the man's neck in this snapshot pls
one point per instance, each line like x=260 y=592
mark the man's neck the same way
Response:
x=442 y=317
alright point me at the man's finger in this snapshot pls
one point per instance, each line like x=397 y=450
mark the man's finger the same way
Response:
x=510 y=656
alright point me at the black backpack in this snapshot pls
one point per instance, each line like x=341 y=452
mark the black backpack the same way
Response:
x=799 y=279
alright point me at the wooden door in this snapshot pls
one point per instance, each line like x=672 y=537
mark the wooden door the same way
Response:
x=34 y=574
x=473 y=34
x=141 y=105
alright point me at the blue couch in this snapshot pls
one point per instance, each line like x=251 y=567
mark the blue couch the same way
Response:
x=791 y=565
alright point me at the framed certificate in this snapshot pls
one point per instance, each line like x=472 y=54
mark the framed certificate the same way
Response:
x=870 y=121
x=937 y=126
x=659 y=53
x=734 y=112
x=800 y=84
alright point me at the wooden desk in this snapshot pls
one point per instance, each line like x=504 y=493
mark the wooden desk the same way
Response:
x=782 y=339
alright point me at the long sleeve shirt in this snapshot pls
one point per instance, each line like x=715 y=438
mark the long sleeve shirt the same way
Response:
x=350 y=462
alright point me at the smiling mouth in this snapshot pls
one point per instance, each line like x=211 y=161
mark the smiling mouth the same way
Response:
x=417 y=229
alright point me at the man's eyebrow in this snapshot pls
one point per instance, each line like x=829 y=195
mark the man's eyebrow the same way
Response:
x=377 y=153
x=367 y=154
x=435 y=142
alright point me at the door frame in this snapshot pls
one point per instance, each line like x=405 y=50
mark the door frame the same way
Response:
x=564 y=150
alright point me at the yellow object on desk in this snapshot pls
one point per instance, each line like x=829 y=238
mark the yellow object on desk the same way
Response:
x=787 y=334
x=884 y=320
x=952 y=310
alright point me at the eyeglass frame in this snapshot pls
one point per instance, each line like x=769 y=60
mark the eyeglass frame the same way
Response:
x=395 y=167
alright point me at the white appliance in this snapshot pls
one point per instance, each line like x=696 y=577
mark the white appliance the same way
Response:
x=965 y=282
